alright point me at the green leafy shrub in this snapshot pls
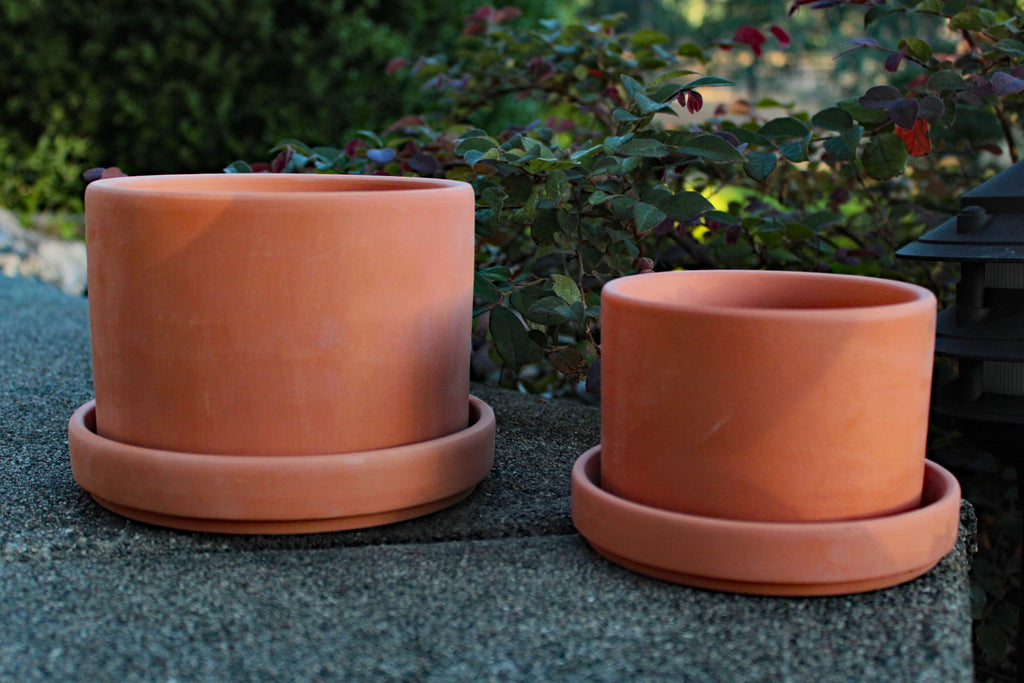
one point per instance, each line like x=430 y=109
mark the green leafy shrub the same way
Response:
x=161 y=87
x=46 y=177
x=618 y=178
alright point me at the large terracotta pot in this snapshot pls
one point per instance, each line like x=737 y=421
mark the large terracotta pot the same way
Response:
x=279 y=314
x=280 y=317
x=772 y=396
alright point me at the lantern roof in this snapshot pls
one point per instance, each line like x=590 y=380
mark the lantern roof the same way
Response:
x=989 y=227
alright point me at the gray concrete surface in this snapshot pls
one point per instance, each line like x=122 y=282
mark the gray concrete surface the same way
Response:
x=496 y=588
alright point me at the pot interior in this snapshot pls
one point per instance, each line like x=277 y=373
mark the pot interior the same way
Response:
x=272 y=183
x=762 y=290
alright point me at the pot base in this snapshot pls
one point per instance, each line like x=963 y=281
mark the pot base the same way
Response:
x=767 y=558
x=259 y=494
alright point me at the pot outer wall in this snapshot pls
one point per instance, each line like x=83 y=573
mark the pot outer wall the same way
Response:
x=279 y=314
x=766 y=396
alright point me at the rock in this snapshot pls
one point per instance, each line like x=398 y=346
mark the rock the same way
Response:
x=24 y=253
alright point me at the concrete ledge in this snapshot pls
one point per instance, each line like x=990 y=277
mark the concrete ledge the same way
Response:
x=498 y=587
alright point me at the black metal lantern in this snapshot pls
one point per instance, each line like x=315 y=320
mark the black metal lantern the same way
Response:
x=984 y=330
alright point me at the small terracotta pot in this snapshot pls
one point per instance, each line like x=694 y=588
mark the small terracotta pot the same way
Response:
x=769 y=396
x=279 y=314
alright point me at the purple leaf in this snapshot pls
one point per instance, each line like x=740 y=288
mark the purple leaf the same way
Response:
x=728 y=137
x=858 y=44
x=879 y=97
x=904 y=112
x=1004 y=84
x=892 y=62
x=424 y=164
x=931 y=108
x=381 y=156
x=980 y=87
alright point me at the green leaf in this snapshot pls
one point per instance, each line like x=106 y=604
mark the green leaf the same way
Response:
x=708 y=82
x=545 y=222
x=870 y=117
x=296 y=145
x=551 y=310
x=917 y=48
x=932 y=6
x=649 y=106
x=512 y=340
x=885 y=156
x=750 y=137
x=723 y=217
x=484 y=289
x=557 y=186
x=844 y=147
x=969 y=20
x=946 y=80
x=612 y=143
x=644 y=147
x=822 y=219
x=473 y=157
x=477 y=144
x=238 y=167
x=1011 y=46
x=632 y=86
x=668 y=76
x=623 y=116
x=685 y=205
x=833 y=118
x=759 y=165
x=784 y=127
x=711 y=148
x=647 y=216
x=647 y=37
x=566 y=288
x=586 y=153
x=692 y=51
x=795 y=151
x=799 y=231
x=548 y=165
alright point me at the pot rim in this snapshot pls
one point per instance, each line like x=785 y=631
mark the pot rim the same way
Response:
x=302 y=187
x=903 y=298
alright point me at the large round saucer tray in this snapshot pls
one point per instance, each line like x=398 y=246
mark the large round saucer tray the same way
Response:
x=259 y=494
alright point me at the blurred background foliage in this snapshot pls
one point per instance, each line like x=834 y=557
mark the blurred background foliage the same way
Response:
x=167 y=87
x=178 y=86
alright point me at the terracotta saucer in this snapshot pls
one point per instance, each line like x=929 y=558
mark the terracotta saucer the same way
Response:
x=767 y=558
x=266 y=494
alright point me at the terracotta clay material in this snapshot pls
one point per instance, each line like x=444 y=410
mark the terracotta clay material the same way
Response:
x=767 y=558
x=260 y=494
x=279 y=314
x=771 y=396
x=280 y=353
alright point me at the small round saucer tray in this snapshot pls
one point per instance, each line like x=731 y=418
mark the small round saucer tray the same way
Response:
x=768 y=558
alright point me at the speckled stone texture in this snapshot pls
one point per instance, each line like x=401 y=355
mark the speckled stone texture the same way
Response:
x=499 y=587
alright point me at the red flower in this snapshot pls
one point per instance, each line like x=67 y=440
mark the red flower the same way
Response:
x=781 y=35
x=395 y=64
x=750 y=36
x=694 y=101
x=916 y=139
x=506 y=13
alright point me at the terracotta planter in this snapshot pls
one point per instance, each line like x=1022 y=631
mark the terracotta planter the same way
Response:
x=775 y=397
x=279 y=315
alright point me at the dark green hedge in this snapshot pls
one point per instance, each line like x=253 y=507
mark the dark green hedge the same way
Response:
x=189 y=85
